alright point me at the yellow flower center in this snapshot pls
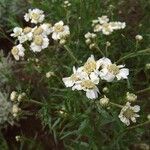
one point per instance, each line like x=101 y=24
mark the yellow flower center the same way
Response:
x=58 y=28
x=88 y=84
x=27 y=30
x=14 y=50
x=38 y=40
x=74 y=77
x=129 y=113
x=38 y=31
x=113 y=69
x=89 y=66
x=35 y=16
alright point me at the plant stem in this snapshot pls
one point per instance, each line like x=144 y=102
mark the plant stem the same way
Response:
x=117 y=105
x=139 y=125
x=35 y=102
x=142 y=91
x=71 y=54
x=134 y=54
x=99 y=50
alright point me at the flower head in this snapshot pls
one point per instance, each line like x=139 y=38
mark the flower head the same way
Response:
x=35 y=15
x=111 y=71
x=18 y=51
x=60 y=31
x=128 y=113
x=17 y=31
x=39 y=43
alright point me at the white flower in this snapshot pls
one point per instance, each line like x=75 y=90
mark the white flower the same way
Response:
x=35 y=15
x=139 y=37
x=128 y=113
x=107 y=28
x=44 y=29
x=91 y=65
x=17 y=32
x=76 y=76
x=18 y=51
x=103 y=19
x=104 y=101
x=117 y=25
x=60 y=31
x=39 y=43
x=26 y=35
x=131 y=97
x=111 y=71
x=88 y=84
x=103 y=25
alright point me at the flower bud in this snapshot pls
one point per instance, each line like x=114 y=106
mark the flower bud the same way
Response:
x=147 y=66
x=131 y=97
x=104 y=101
x=105 y=90
x=148 y=116
x=13 y=96
x=139 y=37
x=88 y=41
x=92 y=46
x=49 y=74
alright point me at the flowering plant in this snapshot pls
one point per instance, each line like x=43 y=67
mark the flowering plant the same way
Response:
x=82 y=80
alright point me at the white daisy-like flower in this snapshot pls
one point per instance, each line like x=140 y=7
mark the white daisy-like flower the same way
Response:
x=18 y=51
x=26 y=35
x=45 y=29
x=91 y=66
x=60 y=31
x=39 y=43
x=17 y=31
x=35 y=15
x=129 y=113
x=77 y=75
x=103 y=19
x=88 y=85
x=111 y=71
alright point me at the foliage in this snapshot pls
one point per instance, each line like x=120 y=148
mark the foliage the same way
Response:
x=69 y=116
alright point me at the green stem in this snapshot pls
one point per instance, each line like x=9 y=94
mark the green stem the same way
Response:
x=35 y=102
x=139 y=125
x=134 y=54
x=71 y=54
x=142 y=91
x=117 y=105
x=99 y=50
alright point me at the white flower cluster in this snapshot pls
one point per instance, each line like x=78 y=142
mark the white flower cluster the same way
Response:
x=87 y=77
x=38 y=35
x=103 y=25
x=16 y=99
x=90 y=39
x=66 y=4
